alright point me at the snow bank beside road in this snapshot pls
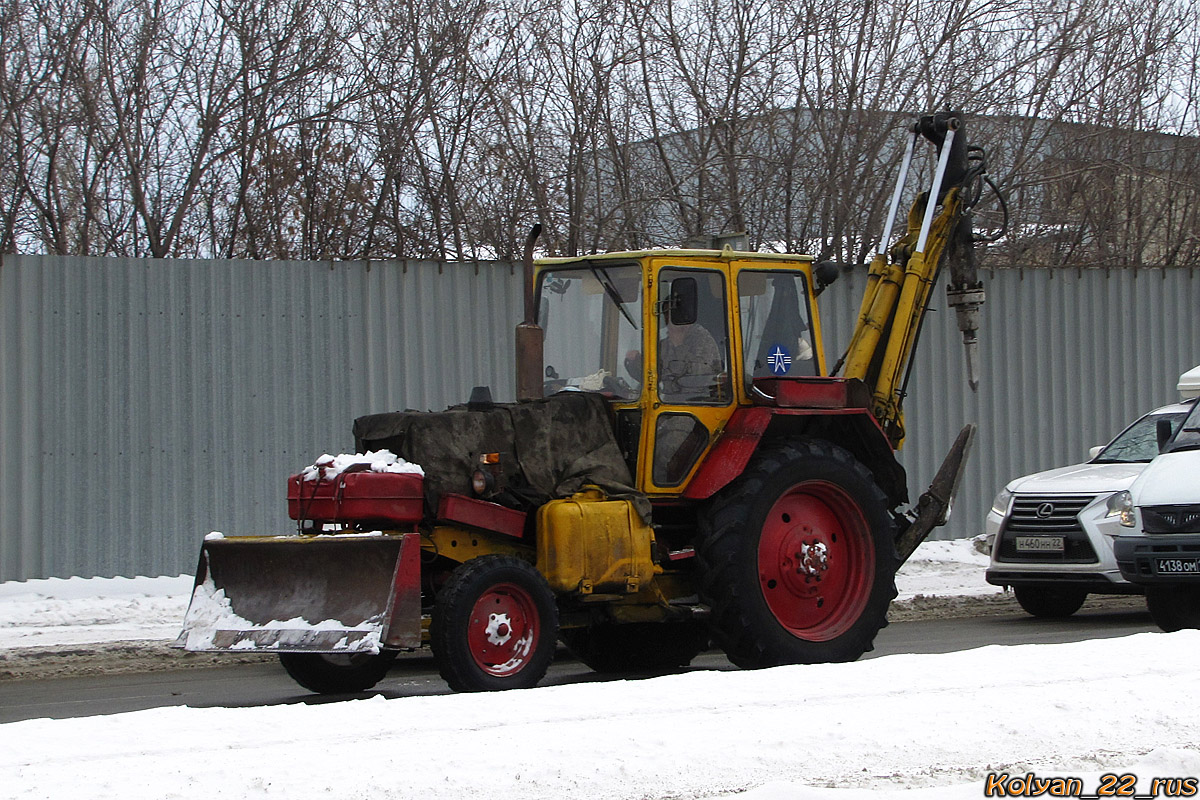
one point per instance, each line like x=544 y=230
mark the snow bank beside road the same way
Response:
x=72 y=611
x=952 y=568
x=918 y=727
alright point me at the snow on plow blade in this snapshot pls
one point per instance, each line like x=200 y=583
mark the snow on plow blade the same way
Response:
x=320 y=594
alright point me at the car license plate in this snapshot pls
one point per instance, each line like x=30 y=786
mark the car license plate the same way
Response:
x=1177 y=566
x=1040 y=544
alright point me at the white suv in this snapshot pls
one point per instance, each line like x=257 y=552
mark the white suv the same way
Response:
x=1042 y=545
x=1157 y=529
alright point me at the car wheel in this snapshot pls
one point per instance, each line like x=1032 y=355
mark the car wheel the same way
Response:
x=1174 y=609
x=1049 y=602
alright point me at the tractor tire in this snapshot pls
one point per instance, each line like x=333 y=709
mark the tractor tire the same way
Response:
x=494 y=626
x=1174 y=608
x=326 y=673
x=1049 y=603
x=797 y=558
x=638 y=646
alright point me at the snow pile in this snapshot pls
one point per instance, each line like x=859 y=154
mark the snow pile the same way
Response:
x=210 y=614
x=328 y=467
x=952 y=568
x=918 y=727
x=57 y=611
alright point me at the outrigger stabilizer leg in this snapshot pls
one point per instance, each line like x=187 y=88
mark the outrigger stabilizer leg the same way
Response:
x=933 y=507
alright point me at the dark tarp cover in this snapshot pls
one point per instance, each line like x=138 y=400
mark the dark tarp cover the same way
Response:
x=549 y=448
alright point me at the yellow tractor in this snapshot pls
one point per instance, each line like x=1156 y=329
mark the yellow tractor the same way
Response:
x=682 y=467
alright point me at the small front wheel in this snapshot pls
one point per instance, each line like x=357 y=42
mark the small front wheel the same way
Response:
x=494 y=626
x=328 y=673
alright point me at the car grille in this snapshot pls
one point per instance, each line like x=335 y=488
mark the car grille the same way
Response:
x=1171 y=519
x=1029 y=517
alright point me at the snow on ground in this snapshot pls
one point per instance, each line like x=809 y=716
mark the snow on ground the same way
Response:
x=918 y=727
x=75 y=611
x=915 y=727
x=945 y=569
x=72 y=611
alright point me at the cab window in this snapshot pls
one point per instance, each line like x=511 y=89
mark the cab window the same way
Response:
x=693 y=358
x=776 y=325
x=592 y=315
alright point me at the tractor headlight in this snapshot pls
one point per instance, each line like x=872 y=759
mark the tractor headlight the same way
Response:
x=1120 y=505
x=1000 y=504
x=482 y=483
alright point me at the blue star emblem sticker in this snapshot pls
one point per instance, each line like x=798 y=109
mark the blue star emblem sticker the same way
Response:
x=779 y=360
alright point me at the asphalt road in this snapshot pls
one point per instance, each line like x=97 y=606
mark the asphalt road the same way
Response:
x=267 y=684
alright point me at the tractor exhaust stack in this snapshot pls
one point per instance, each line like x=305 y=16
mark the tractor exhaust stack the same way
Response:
x=530 y=337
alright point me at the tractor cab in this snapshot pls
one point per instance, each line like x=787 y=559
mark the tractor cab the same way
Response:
x=675 y=340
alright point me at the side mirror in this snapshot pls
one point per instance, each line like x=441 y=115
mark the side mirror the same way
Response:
x=1162 y=431
x=825 y=273
x=681 y=309
x=1094 y=451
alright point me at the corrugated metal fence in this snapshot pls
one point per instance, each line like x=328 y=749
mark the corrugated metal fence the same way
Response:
x=144 y=403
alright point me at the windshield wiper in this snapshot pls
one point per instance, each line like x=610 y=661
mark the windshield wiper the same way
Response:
x=611 y=291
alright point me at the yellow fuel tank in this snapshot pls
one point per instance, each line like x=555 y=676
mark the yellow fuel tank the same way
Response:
x=588 y=544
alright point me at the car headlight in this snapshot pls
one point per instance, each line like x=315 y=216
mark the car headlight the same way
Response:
x=1000 y=504
x=1120 y=505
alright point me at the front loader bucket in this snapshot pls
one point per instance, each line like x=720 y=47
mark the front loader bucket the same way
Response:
x=320 y=594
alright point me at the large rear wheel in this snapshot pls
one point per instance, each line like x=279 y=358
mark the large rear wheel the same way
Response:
x=637 y=646
x=494 y=626
x=798 y=558
x=327 y=673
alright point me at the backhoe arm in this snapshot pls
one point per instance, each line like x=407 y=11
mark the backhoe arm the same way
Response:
x=901 y=278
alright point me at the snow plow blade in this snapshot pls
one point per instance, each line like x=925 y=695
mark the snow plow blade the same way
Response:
x=345 y=593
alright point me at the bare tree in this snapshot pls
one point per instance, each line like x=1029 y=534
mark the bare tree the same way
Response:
x=382 y=128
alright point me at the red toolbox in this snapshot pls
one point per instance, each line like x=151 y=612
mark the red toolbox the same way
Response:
x=358 y=497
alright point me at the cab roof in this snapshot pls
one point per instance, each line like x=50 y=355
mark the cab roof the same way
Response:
x=728 y=254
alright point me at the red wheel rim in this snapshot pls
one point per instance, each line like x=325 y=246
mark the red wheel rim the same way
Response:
x=503 y=630
x=816 y=561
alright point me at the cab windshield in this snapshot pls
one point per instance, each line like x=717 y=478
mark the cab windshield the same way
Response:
x=592 y=316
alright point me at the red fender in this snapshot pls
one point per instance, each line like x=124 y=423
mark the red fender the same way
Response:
x=779 y=397
x=729 y=457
